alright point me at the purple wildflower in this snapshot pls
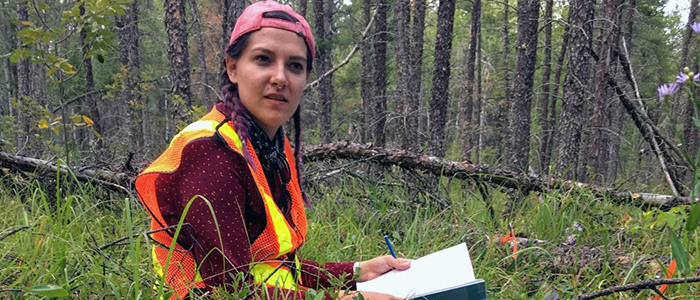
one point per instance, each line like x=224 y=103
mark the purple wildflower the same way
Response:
x=696 y=77
x=682 y=77
x=666 y=90
x=695 y=26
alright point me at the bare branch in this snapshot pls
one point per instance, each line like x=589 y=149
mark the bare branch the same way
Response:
x=347 y=58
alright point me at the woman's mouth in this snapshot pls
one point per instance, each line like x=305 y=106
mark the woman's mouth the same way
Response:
x=276 y=98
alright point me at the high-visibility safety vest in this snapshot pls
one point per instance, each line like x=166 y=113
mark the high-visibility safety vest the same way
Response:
x=275 y=246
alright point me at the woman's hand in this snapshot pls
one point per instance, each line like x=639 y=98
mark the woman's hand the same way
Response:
x=350 y=295
x=377 y=266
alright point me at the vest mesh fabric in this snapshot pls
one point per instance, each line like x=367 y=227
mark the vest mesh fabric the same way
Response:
x=269 y=248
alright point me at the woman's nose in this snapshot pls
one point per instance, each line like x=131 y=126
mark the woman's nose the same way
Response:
x=279 y=76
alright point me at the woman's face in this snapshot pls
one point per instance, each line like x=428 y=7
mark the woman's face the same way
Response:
x=270 y=74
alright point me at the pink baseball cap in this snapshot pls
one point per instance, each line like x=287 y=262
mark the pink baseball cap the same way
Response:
x=251 y=19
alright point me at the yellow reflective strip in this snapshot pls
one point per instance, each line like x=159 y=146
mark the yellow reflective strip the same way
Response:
x=229 y=132
x=156 y=264
x=284 y=235
x=282 y=278
x=199 y=125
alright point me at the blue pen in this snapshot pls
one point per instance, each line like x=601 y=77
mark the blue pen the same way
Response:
x=388 y=243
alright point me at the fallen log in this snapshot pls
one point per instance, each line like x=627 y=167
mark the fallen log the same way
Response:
x=464 y=170
x=119 y=182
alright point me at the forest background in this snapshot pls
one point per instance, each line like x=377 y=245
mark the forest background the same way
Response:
x=549 y=89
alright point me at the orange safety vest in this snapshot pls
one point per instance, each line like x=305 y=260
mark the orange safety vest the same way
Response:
x=275 y=244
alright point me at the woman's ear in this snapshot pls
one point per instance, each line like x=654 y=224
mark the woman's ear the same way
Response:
x=231 y=69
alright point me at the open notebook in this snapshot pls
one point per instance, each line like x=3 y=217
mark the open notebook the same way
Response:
x=446 y=274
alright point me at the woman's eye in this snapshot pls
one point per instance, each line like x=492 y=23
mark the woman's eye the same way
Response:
x=296 y=66
x=262 y=58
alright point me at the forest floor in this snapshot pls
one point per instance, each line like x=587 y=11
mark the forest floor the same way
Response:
x=50 y=237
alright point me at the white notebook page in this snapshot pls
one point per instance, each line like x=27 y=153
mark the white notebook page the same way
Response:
x=438 y=271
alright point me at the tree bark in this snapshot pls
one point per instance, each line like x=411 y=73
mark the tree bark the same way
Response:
x=204 y=72
x=599 y=137
x=231 y=9
x=467 y=171
x=546 y=83
x=324 y=20
x=690 y=131
x=23 y=92
x=178 y=57
x=441 y=77
x=502 y=114
x=415 y=92
x=468 y=124
x=576 y=81
x=549 y=137
x=90 y=81
x=366 y=76
x=402 y=10
x=519 y=112
x=379 y=82
x=136 y=110
x=302 y=7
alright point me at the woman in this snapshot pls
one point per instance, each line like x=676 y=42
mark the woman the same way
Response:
x=235 y=180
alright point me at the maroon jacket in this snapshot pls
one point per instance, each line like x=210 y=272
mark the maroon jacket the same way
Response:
x=222 y=176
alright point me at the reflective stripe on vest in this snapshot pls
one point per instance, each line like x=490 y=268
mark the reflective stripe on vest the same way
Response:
x=278 y=239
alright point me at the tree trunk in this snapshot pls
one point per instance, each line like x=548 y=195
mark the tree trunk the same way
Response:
x=178 y=57
x=204 y=72
x=519 y=112
x=548 y=139
x=690 y=131
x=90 y=81
x=502 y=118
x=22 y=80
x=441 y=77
x=617 y=112
x=302 y=7
x=599 y=136
x=478 y=103
x=546 y=82
x=135 y=120
x=415 y=92
x=379 y=99
x=231 y=10
x=575 y=94
x=366 y=77
x=468 y=123
x=402 y=11
x=324 y=17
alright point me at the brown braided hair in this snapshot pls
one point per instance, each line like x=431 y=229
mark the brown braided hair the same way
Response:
x=233 y=103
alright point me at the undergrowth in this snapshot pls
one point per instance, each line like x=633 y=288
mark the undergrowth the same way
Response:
x=51 y=236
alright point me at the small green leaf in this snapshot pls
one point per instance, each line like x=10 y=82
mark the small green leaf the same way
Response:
x=696 y=121
x=76 y=119
x=97 y=134
x=119 y=9
x=100 y=58
x=679 y=254
x=49 y=290
x=696 y=189
x=75 y=11
x=16 y=55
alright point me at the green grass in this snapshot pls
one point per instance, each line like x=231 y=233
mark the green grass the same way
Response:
x=57 y=254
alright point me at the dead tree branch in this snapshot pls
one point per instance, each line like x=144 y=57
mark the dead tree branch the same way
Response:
x=347 y=58
x=644 y=284
x=119 y=182
x=467 y=171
